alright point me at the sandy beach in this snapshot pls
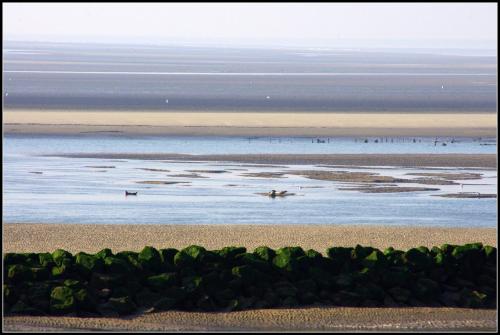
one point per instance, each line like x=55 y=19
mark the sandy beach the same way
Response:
x=249 y=123
x=92 y=238
x=24 y=237
x=299 y=319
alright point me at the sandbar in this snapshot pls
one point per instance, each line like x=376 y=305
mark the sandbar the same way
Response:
x=118 y=123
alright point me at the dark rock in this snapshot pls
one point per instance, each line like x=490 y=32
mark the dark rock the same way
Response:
x=83 y=300
x=348 y=298
x=285 y=289
x=400 y=294
x=167 y=256
x=162 y=281
x=359 y=252
x=102 y=280
x=390 y=302
x=449 y=298
x=18 y=273
x=417 y=260
x=472 y=299
x=191 y=284
x=10 y=294
x=116 y=265
x=165 y=304
x=72 y=283
x=231 y=252
x=104 y=293
x=375 y=259
x=339 y=253
x=426 y=289
x=490 y=253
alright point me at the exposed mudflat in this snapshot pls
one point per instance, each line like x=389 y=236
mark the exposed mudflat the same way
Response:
x=388 y=189
x=161 y=182
x=466 y=195
x=405 y=160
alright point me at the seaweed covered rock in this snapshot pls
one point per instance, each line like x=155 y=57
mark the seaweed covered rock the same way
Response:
x=46 y=260
x=470 y=258
x=62 y=257
x=162 y=280
x=196 y=279
x=490 y=253
x=86 y=264
x=231 y=252
x=287 y=258
x=375 y=259
x=426 y=289
x=18 y=273
x=359 y=252
x=62 y=300
x=417 y=259
x=265 y=253
x=167 y=256
x=190 y=256
x=246 y=273
x=116 y=265
x=12 y=258
x=340 y=258
x=122 y=305
x=252 y=260
x=150 y=259
x=106 y=252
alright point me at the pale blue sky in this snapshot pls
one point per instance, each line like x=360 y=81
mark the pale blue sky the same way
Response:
x=320 y=24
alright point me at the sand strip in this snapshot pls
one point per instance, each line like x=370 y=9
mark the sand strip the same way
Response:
x=249 y=123
x=320 y=319
x=406 y=160
x=23 y=237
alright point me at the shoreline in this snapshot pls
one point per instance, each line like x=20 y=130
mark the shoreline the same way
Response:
x=249 y=123
x=407 y=160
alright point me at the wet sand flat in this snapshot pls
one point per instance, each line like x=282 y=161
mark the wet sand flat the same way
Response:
x=92 y=238
x=250 y=123
x=407 y=160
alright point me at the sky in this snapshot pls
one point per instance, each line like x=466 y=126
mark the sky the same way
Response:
x=454 y=25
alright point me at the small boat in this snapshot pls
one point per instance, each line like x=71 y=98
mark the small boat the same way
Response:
x=130 y=193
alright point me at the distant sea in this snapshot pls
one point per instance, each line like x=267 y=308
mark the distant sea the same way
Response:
x=45 y=76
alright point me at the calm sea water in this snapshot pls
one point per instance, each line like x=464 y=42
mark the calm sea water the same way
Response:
x=23 y=144
x=76 y=190
x=85 y=76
